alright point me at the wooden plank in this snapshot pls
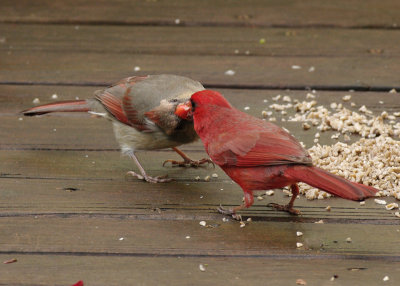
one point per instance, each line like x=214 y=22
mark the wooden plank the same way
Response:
x=108 y=270
x=263 y=72
x=73 y=186
x=367 y=13
x=78 y=131
x=202 y=40
x=101 y=235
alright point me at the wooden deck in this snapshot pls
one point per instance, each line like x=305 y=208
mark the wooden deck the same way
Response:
x=69 y=213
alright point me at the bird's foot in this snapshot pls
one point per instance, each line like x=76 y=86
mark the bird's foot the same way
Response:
x=229 y=212
x=159 y=179
x=189 y=163
x=285 y=208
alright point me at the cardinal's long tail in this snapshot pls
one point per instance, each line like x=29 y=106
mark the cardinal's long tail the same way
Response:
x=330 y=183
x=60 y=106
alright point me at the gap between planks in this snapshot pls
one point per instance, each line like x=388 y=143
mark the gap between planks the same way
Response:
x=393 y=258
x=260 y=87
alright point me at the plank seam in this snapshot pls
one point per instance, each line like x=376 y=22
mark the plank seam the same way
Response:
x=393 y=258
x=227 y=86
x=183 y=23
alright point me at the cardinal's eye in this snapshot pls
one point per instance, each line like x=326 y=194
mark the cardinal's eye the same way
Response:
x=193 y=104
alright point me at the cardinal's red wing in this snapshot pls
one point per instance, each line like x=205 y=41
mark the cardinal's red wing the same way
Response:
x=253 y=142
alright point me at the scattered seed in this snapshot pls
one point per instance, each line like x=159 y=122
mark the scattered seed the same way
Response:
x=260 y=198
x=202 y=268
x=328 y=208
x=242 y=224
x=177 y=21
x=269 y=193
x=299 y=233
x=296 y=67
x=311 y=69
x=348 y=239
x=230 y=72
x=54 y=96
x=310 y=96
x=346 y=97
x=121 y=238
x=380 y=202
x=249 y=219
x=362 y=203
x=36 y=101
x=393 y=91
x=13 y=260
x=247 y=108
x=320 y=221
x=136 y=69
x=207 y=178
x=197 y=178
x=299 y=244
x=386 y=278
x=203 y=223
x=187 y=237
x=262 y=41
x=306 y=126
x=397 y=214
x=392 y=206
x=301 y=282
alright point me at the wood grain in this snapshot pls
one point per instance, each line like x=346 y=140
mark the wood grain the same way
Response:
x=120 y=270
x=260 y=72
x=271 y=13
x=196 y=41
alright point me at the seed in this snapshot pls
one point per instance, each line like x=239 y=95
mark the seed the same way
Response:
x=269 y=193
x=380 y=202
x=202 y=268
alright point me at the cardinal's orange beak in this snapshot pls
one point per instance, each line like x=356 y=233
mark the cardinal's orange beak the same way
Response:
x=184 y=110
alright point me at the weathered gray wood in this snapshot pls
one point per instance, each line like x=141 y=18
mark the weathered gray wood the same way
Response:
x=259 y=12
x=39 y=182
x=220 y=41
x=101 y=235
x=120 y=271
x=84 y=68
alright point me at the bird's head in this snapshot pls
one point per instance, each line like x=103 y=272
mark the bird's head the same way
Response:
x=199 y=100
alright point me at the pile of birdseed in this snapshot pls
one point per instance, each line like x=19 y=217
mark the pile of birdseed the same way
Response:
x=374 y=162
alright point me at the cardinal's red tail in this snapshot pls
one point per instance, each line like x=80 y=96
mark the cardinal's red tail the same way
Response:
x=60 y=106
x=330 y=183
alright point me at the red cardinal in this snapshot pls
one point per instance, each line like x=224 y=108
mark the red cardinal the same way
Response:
x=142 y=112
x=259 y=155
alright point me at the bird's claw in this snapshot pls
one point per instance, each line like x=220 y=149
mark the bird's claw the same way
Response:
x=158 y=179
x=229 y=212
x=285 y=208
x=189 y=163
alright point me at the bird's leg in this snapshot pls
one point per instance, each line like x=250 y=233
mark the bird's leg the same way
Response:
x=248 y=201
x=187 y=162
x=143 y=175
x=289 y=207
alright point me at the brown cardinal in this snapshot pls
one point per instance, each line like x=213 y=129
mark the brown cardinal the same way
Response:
x=257 y=154
x=142 y=110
